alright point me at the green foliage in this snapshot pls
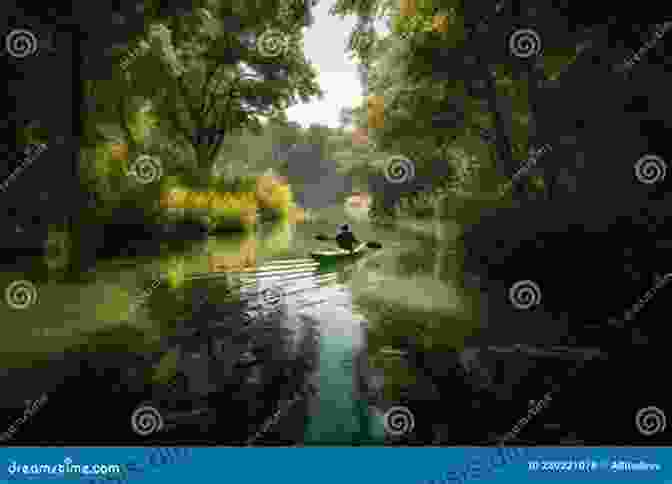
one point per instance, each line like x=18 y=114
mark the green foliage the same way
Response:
x=403 y=69
x=190 y=69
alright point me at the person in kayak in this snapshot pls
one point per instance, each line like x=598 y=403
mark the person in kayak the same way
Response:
x=346 y=239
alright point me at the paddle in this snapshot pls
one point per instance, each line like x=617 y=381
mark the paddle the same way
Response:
x=370 y=245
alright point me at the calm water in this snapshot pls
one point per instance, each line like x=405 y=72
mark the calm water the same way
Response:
x=359 y=308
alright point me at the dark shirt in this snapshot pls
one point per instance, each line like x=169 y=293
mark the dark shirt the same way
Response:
x=347 y=241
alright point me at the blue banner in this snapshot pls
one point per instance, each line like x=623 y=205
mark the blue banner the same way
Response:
x=390 y=465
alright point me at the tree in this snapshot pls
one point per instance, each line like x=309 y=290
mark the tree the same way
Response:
x=202 y=73
x=441 y=84
x=205 y=81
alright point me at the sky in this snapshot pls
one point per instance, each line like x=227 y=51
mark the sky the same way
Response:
x=324 y=46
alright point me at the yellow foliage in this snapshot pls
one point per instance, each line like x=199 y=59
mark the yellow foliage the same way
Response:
x=242 y=207
x=376 y=111
x=440 y=23
x=249 y=215
x=408 y=8
x=271 y=193
x=200 y=200
x=176 y=275
x=174 y=199
x=211 y=197
x=296 y=214
x=218 y=202
x=119 y=151
x=245 y=258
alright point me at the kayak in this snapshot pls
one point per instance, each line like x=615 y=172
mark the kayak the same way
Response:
x=333 y=255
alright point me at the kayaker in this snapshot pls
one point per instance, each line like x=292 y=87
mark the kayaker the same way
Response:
x=346 y=239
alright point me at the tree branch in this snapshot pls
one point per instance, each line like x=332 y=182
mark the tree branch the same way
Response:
x=208 y=78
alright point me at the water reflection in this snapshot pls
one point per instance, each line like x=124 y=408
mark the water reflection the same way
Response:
x=407 y=289
x=241 y=255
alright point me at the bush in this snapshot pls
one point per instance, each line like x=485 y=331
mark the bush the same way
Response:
x=221 y=211
x=230 y=205
x=274 y=195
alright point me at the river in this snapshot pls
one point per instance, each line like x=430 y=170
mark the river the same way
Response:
x=358 y=310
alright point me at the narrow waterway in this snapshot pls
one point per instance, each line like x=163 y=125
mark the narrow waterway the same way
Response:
x=412 y=279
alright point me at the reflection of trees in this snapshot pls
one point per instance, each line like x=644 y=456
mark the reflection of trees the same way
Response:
x=243 y=257
x=424 y=369
x=280 y=236
x=392 y=324
x=440 y=257
x=413 y=263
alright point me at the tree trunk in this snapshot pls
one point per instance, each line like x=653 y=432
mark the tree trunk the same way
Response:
x=73 y=218
x=535 y=76
x=507 y=165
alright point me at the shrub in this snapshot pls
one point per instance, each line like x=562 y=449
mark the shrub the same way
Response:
x=232 y=204
x=274 y=195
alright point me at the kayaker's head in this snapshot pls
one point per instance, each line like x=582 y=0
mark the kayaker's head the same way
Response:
x=344 y=228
